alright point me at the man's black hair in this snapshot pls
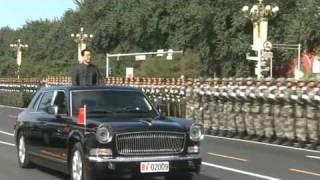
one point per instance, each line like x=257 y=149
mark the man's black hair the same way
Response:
x=84 y=50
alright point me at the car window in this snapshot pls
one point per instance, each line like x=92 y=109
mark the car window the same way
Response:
x=111 y=101
x=35 y=101
x=45 y=101
x=60 y=101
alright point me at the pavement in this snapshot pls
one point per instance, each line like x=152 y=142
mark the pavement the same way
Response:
x=223 y=159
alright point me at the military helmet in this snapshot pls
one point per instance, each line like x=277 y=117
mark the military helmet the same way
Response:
x=301 y=83
x=290 y=82
x=249 y=81
x=311 y=83
x=280 y=81
x=189 y=82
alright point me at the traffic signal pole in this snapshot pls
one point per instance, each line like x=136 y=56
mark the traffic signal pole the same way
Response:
x=169 y=54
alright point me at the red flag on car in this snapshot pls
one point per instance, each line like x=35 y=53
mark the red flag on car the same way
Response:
x=82 y=118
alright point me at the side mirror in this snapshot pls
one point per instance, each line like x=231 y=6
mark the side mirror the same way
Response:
x=53 y=110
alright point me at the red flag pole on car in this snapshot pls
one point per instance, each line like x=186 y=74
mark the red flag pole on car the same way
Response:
x=82 y=116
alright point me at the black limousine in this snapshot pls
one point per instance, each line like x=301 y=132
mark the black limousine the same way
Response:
x=89 y=132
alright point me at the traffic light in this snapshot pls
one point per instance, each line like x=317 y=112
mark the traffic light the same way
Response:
x=110 y=72
x=265 y=67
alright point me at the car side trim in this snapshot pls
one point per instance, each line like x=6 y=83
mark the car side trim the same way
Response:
x=63 y=161
x=145 y=158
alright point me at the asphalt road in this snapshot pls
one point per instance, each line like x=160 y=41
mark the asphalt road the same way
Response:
x=223 y=159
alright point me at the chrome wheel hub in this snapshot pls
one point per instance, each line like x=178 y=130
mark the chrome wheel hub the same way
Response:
x=76 y=166
x=22 y=150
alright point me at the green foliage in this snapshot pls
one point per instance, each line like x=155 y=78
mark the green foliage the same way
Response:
x=214 y=35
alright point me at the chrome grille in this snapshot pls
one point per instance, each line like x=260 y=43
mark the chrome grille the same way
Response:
x=150 y=143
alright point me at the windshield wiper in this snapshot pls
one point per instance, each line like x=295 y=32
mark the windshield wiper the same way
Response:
x=99 y=112
x=131 y=109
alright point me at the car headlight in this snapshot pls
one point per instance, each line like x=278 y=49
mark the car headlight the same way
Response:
x=196 y=132
x=194 y=149
x=100 y=152
x=104 y=134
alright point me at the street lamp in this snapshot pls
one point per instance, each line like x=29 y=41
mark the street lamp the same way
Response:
x=81 y=38
x=18 y=47
x=259 y=15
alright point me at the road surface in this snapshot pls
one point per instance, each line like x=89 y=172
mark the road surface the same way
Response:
x=223 y=159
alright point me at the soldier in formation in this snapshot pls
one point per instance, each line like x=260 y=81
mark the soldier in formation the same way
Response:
x=281 y=111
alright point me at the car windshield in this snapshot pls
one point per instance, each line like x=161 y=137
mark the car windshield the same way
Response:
x=111 y=102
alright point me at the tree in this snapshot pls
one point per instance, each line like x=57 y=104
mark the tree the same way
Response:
x=214 y=35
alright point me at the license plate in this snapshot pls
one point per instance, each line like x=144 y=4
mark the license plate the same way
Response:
x=151 y=167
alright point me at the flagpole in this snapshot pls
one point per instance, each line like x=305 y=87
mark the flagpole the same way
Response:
x=85 y=118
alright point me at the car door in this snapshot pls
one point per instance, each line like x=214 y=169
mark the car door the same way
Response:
x=29 y=121
x=58 y=129
x=40 y=117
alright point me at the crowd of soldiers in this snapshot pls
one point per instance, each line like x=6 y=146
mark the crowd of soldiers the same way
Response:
x=281 y=111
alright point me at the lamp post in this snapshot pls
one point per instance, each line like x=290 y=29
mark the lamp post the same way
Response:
x=140 y=56
x=259 y=15
x=81 y=38
x=18 y=46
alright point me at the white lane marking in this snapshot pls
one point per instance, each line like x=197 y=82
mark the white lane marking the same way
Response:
x=6 y=143
x=7 y=133
x=313 y=157
x=267 y=144
x=12 y=116
x=3 y=106
x=240 y=171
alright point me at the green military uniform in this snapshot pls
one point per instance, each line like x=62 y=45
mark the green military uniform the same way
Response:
x=189 y=99
x=214 y=107
x=206 y=104
x=231 y=125
x=288 y=113
x=269 y=108
x=316 y=98
x=311 y=114
x=249 y=116
x=239 y=108
x=300 y=114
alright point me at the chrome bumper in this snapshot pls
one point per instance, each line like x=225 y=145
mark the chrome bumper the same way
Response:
x=145 y=158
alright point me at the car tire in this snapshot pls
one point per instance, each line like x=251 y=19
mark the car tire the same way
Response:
x=78 y=169
x=184 y=176
x=23 y=152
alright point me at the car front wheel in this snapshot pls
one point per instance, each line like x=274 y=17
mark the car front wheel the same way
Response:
x=78 y=171
x=22 y=152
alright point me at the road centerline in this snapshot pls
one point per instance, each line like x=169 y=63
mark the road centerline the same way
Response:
x=227 y=157
x=304 y=172
x=240 y=171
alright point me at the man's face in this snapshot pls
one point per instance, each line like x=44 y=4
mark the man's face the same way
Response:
x=86 y=58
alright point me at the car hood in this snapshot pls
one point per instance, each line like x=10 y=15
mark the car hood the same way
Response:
x=124 y=125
